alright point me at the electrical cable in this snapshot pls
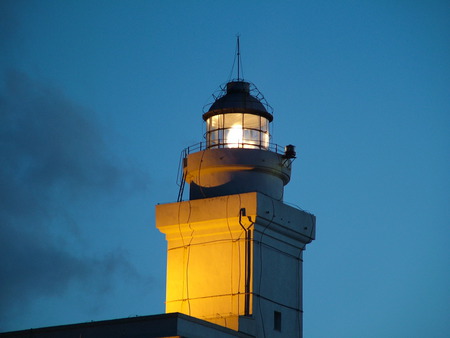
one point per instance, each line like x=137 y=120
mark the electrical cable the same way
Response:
x=231 y=239
x=299 y=291
x=202 y=243
x=199 y=174
x=248 y=260
x=187 y=246
x=276 y=249
x=186 y=251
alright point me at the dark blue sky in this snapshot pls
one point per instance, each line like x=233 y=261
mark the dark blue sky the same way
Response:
x=98 y=98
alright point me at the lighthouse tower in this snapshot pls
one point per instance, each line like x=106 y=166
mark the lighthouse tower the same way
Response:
x=234 y=254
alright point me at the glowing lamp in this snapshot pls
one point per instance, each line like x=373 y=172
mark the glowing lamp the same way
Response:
x=237 y=119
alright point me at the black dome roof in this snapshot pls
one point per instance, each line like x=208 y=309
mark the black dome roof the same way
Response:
x=238 y=100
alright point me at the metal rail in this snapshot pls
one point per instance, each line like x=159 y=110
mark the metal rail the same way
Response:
x=220 y=145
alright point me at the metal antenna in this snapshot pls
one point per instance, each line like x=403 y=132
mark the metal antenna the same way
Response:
x=238 y=58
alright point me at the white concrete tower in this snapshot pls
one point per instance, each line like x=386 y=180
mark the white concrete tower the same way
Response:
x=234 y=248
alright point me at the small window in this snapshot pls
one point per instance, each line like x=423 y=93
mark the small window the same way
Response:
x=277 y=321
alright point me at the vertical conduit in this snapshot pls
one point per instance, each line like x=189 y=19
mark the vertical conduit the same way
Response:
x=248 y=270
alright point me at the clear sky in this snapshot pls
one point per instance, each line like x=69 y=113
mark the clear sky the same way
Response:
x=98 y=98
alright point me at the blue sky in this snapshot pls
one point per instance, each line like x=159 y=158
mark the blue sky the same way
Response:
x=98 y=98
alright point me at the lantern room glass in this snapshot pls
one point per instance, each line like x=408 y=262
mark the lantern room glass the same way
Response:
x=237 y=130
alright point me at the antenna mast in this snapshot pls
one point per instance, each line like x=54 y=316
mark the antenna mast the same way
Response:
x=238 y=58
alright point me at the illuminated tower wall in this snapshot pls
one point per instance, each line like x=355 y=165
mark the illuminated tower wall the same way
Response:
x=234 y=248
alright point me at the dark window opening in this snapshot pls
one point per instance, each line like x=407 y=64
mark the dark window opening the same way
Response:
x=277 y=321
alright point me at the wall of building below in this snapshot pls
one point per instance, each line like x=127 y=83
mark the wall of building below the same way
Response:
x=206 y=280
x=277 y=286
x=211 y=265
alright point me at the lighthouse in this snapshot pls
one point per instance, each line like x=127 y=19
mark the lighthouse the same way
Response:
x=234 y=248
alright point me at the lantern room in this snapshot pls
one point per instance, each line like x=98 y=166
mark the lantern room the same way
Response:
x=238 y=156
x=238 y=119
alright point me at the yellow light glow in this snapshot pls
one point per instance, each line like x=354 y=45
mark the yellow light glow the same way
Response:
x=206 y=278
x=234 y=137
